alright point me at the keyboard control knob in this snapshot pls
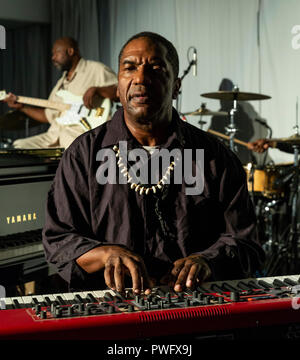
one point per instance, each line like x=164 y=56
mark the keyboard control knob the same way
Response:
x=235 y=296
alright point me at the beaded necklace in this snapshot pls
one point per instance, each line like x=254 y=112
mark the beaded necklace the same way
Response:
x=138 y=187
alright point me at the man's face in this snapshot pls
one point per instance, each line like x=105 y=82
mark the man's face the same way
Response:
x=61 y=58
x=146 y=81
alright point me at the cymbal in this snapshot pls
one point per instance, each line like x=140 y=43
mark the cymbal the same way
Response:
x=291 y=140
x=205 y=112
x=235 y=95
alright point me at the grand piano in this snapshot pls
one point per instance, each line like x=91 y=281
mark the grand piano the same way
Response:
x=25 y=179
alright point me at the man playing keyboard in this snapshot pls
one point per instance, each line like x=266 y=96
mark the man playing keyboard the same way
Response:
x=164 y=231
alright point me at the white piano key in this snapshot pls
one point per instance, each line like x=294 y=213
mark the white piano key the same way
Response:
x=293 y=277
x=18 y=298
x=39 y=298
x=100 y=293
x=6 y=302
x=27 y=299
x=68 y=296
x=55 y=296
x=50 y=296
x=81 y=294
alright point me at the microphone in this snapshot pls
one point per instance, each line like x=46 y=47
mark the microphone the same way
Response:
x=195 y=62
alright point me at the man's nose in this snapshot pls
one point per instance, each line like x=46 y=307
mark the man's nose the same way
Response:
x=142 y=75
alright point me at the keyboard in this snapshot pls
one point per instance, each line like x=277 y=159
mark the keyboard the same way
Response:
x=256 y=306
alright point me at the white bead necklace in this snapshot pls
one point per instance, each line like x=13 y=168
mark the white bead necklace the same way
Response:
x=138 y=187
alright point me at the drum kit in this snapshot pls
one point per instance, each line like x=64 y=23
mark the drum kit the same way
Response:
x=273 y=189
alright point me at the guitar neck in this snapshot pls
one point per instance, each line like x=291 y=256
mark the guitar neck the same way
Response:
x=43 y=103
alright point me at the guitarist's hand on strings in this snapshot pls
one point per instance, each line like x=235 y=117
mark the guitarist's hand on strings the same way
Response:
x=89 y=96
x=93 y=92
x=11 y=101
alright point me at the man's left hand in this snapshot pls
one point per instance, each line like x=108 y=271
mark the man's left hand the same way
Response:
x=188 y=271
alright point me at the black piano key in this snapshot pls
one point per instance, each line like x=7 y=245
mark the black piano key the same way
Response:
x=17 y=305
x=47 y=300
x=42 y=303
x=201 y=289
x=243 y=286
x=290 y=282
x=91 y=298
x=119 y=297
x=108 y=296
x=228 y=287
x=254 y=284
x=278 y=283
x=216 y=288
x=60 y=300
x=79 y=299
x=264 y=284
x=34 y=301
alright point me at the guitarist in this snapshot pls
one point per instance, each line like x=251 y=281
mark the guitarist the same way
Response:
x=85 y=78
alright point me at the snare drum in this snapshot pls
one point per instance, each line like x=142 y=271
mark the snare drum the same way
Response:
x=264 y=181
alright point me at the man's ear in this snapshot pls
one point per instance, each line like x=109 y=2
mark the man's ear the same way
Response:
x=70 y=51
x=117 y=92
x=176 y=88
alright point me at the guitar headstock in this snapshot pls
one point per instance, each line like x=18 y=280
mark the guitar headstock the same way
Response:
x=3 y=95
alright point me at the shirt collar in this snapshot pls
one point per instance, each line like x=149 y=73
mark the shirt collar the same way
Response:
x=117 y=131
x=79 y=68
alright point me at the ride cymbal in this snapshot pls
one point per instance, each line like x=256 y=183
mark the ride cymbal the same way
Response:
x=235 y=95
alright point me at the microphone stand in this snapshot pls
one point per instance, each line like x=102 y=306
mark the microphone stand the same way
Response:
x=186 y=71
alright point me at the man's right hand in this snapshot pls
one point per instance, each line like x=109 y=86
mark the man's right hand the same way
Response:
x=117 y=262
x=261 y=145
x=11 y=101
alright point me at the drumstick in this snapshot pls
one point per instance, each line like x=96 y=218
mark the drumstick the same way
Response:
x=227 y=138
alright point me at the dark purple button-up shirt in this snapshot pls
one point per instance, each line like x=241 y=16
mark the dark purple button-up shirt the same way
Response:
x=218 y=223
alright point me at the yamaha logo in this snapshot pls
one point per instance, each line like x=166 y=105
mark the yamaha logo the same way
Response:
x=21 y=218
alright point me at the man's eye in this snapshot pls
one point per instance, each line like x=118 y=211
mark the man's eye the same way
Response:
x=158 y=67
x=129 y=67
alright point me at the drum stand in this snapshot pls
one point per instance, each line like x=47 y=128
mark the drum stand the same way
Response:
x=231 y=129
x=286 y=256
